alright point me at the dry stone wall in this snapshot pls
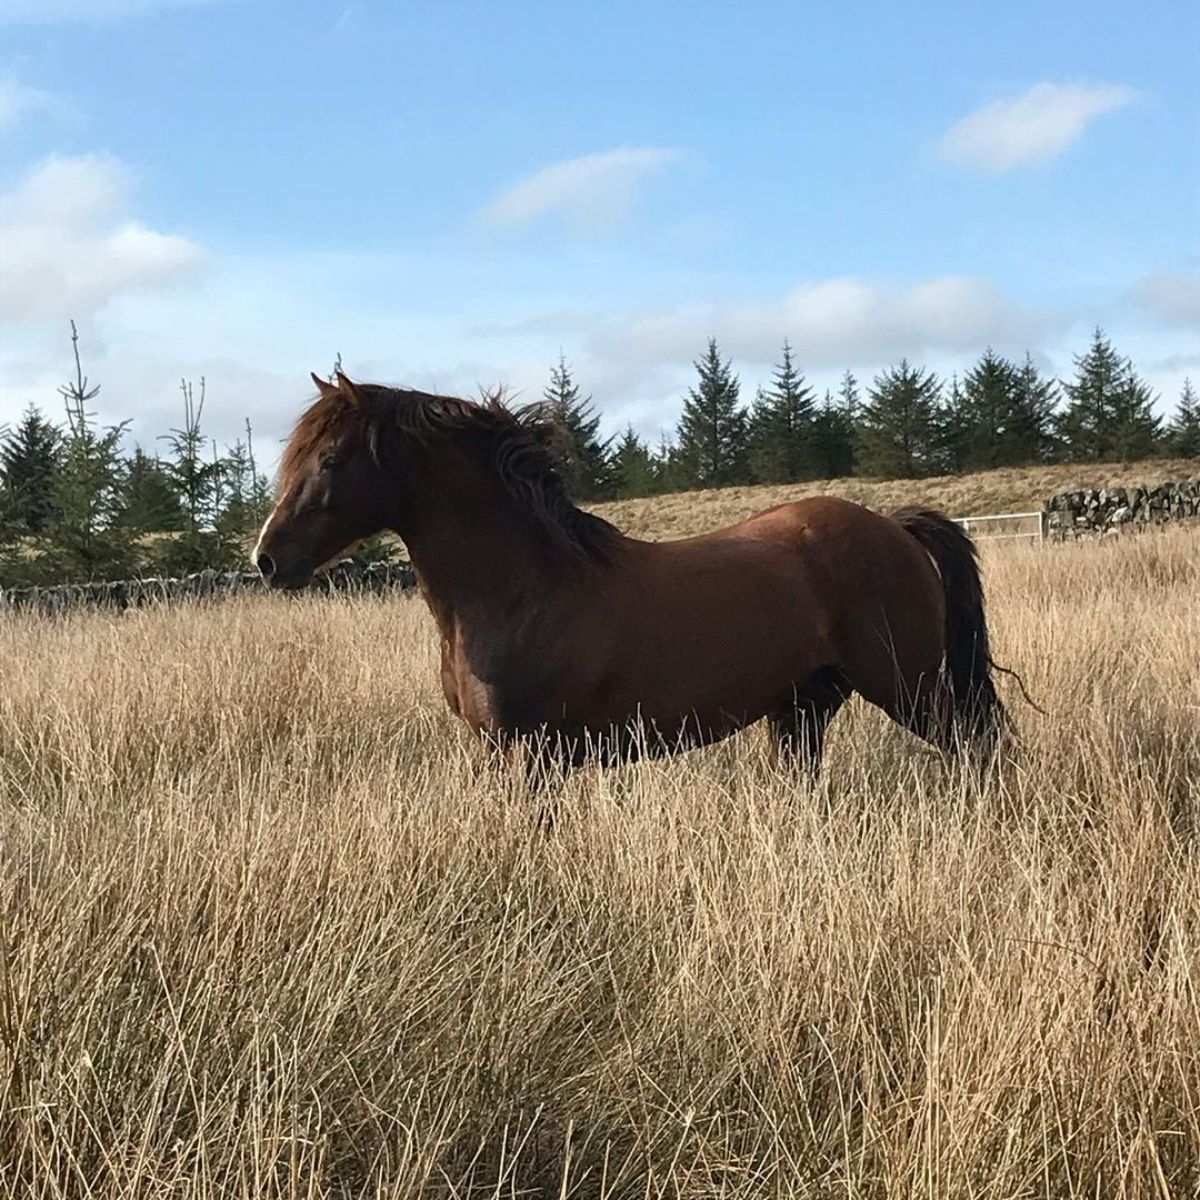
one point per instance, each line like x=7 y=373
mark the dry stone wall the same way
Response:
x=1108 y=510
x=377 y=578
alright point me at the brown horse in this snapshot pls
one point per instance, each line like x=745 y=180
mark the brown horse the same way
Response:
x=559 y=632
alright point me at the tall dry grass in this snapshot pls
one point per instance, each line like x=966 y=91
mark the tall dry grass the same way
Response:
x=268 y=930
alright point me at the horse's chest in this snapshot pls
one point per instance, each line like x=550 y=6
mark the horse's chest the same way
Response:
x=465 y=694
x=494 y=692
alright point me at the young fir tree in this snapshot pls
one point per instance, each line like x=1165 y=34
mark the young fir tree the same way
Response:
x=86 y=537
x=711 y=442
x=237 y=514
x=898 y=426
x=195 y=476
x=29 y=459
x=1183 y=434
x=634 y=468
x=197 y=480
x=260 y=485
x=1109 y=412
x=833 y=435
x=583 y=457
x=151 y=502
x=780 y=429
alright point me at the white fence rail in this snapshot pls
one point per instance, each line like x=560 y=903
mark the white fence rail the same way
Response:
x=1000 y=526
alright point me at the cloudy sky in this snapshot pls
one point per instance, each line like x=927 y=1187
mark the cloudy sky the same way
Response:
x=448 y=194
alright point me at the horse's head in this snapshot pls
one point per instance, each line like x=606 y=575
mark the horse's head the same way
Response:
x=330 y=493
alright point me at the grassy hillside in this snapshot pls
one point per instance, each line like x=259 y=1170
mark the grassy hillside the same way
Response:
x=1010 y=490
x=267 y=929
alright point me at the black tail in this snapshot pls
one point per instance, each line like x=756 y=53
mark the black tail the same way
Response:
x=975 y=715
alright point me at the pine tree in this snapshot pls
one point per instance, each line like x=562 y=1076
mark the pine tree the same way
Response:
x=898 y=428
x=29 y=459
x=1183 y=435
x=583 y=459
x=634 y=467
x=11 y=531
x=984 y=413
x=1031 y=432
x=954 y=430
x=849 y=397
x=1001 y=417
x=851 y=403
x=781 y=427
x=1109 y=411
x=712 y=441
x=1137 y=429
x=671 y=472
x=833 y=438
x=86 y=537
x=151 y=504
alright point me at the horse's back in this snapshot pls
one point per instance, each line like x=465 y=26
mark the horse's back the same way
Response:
x=878 y=586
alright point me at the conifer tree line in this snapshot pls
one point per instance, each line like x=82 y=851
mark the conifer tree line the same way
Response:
x=77 y=505
x=905 y=423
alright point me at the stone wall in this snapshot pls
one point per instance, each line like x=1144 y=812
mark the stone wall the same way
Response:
x=206 y=585
x=1108 y=510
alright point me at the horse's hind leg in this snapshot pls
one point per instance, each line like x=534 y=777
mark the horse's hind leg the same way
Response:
x=931 y=716
x=924 y=710
x=799 y=722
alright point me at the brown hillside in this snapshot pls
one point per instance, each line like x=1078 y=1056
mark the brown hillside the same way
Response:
x=1017 y=489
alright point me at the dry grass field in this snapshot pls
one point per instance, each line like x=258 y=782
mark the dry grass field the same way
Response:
x=268 y=930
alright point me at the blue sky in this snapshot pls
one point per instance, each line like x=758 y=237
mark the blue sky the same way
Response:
x=448 y=194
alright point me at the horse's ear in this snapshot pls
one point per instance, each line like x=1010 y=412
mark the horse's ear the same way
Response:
x=325 y=388
x=349 y=390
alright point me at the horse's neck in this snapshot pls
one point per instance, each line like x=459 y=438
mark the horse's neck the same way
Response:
x=480 y=563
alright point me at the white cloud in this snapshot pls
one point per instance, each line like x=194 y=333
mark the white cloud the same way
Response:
x=67 y=247
x=1171 y=298
x=17 y=101
x=835 y=323
x=47 y=12
x=255 y=325
x=1034 y=127
x=590 y=194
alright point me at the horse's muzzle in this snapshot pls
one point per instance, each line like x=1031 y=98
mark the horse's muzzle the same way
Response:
x=280 y=579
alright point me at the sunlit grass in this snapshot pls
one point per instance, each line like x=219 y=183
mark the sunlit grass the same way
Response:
x=269 y=929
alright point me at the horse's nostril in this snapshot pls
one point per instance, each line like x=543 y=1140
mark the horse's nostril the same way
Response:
x=266 y=564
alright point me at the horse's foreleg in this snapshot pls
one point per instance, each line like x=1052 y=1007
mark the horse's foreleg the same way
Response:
x=799 y=722
x=539 y=766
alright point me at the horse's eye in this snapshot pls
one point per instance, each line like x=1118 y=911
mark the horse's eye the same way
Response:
x=327 y=461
